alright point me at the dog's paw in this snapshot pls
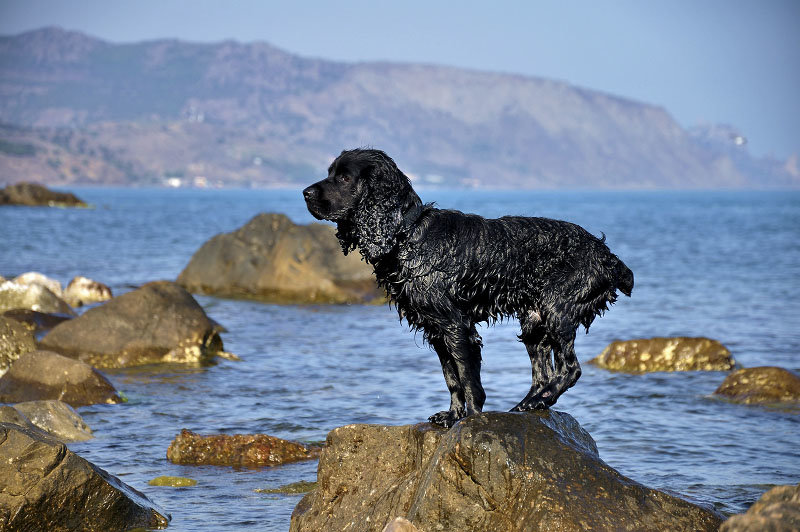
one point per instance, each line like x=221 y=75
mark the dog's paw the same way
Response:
x=538 y=401
x=445 y=418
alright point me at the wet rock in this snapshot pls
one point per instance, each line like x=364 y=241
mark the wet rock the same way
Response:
x=34 y=195
x=83 y=291
x=37 y=322
x=273 y=259
x=45 y=486
x=173 y=482
x=33 y=297
x=491 y=471
x=665 y=354
x=763 y=384
x=159 y=322
x=56 y=418
x=15 y=340
x=9 y=414
x=46 y=375
x=294 y=488
x=238 y=450
x=778 y=510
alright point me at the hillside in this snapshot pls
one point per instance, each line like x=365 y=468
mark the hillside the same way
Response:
x=79 y=110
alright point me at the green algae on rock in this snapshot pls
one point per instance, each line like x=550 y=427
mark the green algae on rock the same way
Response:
x=302 y=486
x=173 y=482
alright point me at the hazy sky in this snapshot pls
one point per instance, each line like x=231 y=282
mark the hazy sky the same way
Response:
x=706 y=61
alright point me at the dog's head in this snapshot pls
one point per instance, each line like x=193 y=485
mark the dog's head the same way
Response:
x=368 y=197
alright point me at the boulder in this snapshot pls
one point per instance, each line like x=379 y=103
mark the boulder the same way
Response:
x=159 y=322
x=33 y=195
x=45 y=486
x=272 y=259
x=665 y=354
x=778 y=510
x=763 y=384
x=15 y=340
x=47 y=375
x=83 y=291
x=36 y=321
x=34 y=297
x=238 y=450
x=32 y=278
x=9 y=414
x=56 y=418
x=491 y=471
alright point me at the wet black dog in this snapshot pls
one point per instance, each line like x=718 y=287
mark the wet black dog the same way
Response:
x=446 y=271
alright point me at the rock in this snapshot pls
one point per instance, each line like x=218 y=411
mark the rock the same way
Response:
x=9 y=414
x=778 y=510
x=56 y=418
x=33 y=195
x=82 y=291
x=492 y=471
x=15 y=340
x=36 y=321
x=400 y=524
x=34 y=297
x=763 y=384
x=239 y=450
x=45 y=486
x=46 y=375
x=33 y=278
x=173 y=482
x=159 y=322
x=294 y=488
x=272 y=259
x=665 y=354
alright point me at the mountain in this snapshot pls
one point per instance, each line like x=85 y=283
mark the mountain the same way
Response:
x=75 y=109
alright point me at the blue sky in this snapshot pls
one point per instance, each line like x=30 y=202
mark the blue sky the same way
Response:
x=706 y=61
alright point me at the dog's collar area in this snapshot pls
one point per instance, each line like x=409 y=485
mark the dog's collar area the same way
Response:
x=411 y=216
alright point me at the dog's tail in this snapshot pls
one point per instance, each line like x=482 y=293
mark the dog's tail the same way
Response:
x=624 y=278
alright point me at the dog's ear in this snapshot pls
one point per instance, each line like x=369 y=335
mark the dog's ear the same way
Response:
x=378 y=217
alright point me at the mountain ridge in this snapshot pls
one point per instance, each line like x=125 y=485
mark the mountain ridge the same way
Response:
x=81 y=110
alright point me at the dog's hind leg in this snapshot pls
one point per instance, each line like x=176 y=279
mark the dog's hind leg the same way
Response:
x=538 y=345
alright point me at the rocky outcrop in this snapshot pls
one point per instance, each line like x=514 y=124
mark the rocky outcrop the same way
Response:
x=763 y=384
x=491 y=471
x=238 y=450
x=159 y=322
x=83 y=291
x=56 y=418
x=45 y=486
x=778 y=510
x=33 y=195
x=36 y=297
x=665 y=354
x=15 y=340
x=272 y=259
x=47 y=375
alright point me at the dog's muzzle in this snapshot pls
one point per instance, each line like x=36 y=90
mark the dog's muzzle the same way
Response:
x=313 y=202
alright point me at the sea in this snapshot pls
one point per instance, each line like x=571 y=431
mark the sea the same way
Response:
x=718 y=264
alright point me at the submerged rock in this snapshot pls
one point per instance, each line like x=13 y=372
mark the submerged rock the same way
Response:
x=15 y=340
x=764 y=384
x=34 y=195
x=294 y=488
x=56 y=418
x=45 y=486
x=173 y=482
x=273 y=259
x=32 y=297
x=491 y=471
x=778 y=510
x=238 y=450
x=665 y=354
x=159 y=322
x=47 y=375
x=83 y=291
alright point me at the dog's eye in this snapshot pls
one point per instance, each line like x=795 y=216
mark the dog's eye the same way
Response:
x=343 y=178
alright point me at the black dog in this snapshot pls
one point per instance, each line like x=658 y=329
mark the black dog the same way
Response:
x=446 y=271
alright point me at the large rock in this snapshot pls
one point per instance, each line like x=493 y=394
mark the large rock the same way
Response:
x=32 y=278
x=15 y=340
x=763 y=384
x=83 y=291
x=45 y=486
x=491 y=471
x=665 y=354
x=778 y=510
x=56 y=418
x=272 y=259
x=33 y=195
x=159 y=322
x=33 y=297
x=47 y=375
x=238 y=450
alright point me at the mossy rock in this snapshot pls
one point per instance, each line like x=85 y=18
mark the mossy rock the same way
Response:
x=173 y=482
x=765 y=384
x=665 y=354
x=291 y=489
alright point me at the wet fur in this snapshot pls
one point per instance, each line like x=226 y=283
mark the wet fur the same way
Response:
x=446 y=271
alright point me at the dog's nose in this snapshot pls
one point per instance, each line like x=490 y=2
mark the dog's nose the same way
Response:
x=310 y=193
